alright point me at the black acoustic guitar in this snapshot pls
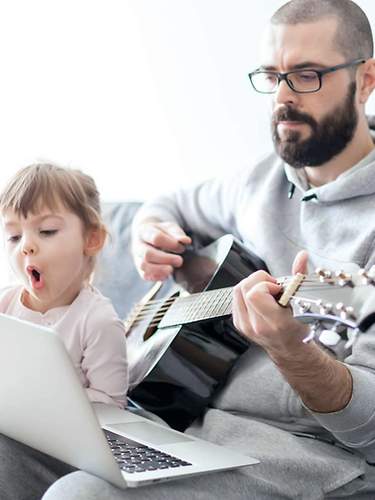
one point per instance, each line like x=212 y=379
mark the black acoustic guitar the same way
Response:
x=181 y=340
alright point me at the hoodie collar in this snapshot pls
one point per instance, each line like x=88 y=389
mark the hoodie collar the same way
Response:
x=357 y=181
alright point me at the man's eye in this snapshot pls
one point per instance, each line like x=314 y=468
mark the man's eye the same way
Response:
x=270 y=77
x=14 y=238
x=48 y=232
x=307 y=77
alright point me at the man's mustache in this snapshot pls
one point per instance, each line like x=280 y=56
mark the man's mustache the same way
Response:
x=290 y=114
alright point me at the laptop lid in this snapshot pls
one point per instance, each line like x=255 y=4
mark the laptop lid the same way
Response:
x=43 y=402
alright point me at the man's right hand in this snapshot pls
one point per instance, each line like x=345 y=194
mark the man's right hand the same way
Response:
x=156 y=246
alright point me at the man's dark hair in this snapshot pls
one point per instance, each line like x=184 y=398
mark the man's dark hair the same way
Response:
x=353 y=38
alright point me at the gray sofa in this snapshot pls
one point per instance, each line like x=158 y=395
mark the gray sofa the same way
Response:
x=116 y=276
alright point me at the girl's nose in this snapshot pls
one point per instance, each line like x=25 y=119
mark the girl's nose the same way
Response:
x=29 y=248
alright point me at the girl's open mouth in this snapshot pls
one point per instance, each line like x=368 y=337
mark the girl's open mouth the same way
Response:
x=36 y=277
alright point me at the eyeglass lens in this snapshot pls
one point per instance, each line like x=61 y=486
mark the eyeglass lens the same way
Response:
x=300 y=81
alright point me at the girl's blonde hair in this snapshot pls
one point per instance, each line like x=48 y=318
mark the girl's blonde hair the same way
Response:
x=48 y=185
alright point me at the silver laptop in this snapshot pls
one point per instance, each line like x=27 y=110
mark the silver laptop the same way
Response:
x=44 y=406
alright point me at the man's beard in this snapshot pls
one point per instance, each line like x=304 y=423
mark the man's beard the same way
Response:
x=328 y=138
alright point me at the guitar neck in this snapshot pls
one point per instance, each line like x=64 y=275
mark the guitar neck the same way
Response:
x=199 y=307
x=311 y=294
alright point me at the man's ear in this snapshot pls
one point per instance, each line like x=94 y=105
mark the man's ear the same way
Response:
x=94 y=242
x=367 y=80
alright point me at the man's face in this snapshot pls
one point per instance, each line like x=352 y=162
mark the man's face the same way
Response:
x=310 y=129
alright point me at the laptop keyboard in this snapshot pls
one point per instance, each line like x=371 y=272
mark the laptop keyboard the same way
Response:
x=136 y=457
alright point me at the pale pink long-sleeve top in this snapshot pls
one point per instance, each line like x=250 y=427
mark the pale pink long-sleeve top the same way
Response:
x=93 y=336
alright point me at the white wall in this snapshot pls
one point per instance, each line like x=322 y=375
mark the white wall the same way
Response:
x=143 y=94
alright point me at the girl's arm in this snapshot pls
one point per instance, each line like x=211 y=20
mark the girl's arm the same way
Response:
x=104 y=361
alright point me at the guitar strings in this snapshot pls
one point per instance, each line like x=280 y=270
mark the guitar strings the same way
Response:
x=317 y=283
x=157 y=317
x=156 y=313
x=153 y=305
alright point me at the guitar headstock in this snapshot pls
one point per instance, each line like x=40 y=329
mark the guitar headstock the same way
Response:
x=339 y=305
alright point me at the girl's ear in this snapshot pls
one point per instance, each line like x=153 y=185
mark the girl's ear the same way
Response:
x=95 y=239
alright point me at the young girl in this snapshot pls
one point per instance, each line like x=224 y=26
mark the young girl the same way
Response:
x=53 y=232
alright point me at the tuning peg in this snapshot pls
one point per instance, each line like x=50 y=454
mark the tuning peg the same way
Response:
x=371 y=272
x=329 y=338
x=323 y=274
x=325 y=308
x=345 y=311
x=352 y=338
x=312 y=334
x=368 y=277
x=344 y=279
x=302 y=305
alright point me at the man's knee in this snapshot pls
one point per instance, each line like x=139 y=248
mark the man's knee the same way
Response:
x=81 y=486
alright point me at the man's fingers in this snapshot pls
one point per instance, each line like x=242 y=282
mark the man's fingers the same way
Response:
x=264 y=312
x=150 y=255
x=300 y=262
x=261 y=297
x=175 y=231
x=259 y=276
x=166 y=236
x=240 y=313
x=154 y=272
x=156 y=248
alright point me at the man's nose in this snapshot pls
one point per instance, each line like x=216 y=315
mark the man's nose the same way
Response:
x=284 y=94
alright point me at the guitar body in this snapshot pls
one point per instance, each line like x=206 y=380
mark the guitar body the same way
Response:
x=176 y=370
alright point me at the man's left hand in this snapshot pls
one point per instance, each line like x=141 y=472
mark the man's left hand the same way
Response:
x=258 y=316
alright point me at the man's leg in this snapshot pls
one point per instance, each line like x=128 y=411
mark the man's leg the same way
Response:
x=25 y=474
x=233 y=485
x=219 y=486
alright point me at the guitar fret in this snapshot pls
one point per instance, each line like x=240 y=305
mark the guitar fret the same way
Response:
x=198 y=307
x=217 y=307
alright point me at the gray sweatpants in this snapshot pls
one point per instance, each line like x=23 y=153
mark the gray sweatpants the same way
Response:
x=223 y=486
x=83 y=486
x=26 y=474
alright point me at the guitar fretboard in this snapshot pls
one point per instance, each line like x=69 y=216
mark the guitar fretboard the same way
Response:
x=199 y=307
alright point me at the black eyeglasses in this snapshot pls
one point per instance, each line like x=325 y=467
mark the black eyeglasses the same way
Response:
x=303 y=81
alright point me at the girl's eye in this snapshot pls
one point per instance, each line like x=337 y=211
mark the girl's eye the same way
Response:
x=14 y=239
x=48 y=232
